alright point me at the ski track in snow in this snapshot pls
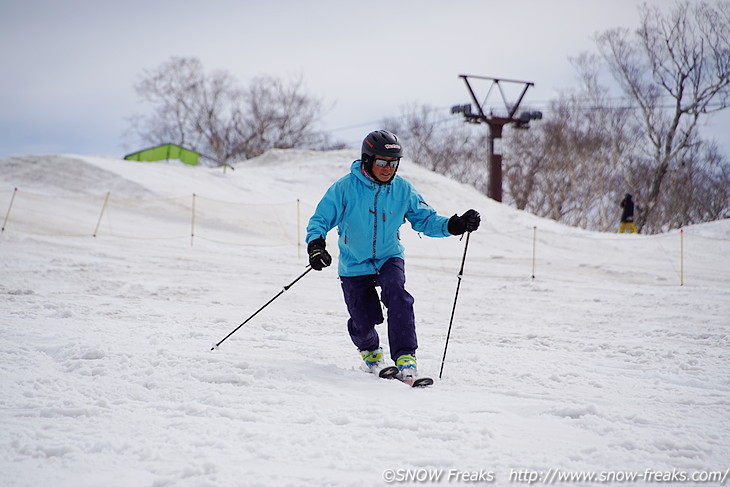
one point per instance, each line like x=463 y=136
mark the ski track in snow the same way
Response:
x=601 y=363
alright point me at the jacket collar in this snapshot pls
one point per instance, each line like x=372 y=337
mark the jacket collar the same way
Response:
x=358 y=169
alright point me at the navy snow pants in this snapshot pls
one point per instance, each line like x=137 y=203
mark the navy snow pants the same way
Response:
x=363 y=304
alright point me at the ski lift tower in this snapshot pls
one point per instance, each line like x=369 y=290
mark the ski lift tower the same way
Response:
x=496 y=123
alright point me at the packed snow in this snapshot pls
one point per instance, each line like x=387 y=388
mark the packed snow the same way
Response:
x=604 y=355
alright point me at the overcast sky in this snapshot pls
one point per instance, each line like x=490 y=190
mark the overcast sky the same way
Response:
x=68 y=67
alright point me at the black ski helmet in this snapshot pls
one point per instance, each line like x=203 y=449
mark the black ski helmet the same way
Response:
x=380 y=143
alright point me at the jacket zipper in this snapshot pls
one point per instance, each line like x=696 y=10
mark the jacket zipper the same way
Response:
x=375 y=228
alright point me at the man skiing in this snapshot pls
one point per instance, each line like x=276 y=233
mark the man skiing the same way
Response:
x=368 y=206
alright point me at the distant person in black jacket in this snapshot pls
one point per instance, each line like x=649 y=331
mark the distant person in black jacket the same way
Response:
x=627 y=216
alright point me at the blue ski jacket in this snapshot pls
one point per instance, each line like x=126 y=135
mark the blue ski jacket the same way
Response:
x=368 y=216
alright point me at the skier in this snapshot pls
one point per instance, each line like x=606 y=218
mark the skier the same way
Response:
x=627 y=215
x=368 y=206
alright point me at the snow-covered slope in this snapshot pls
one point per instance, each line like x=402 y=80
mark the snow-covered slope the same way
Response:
x=601 y=364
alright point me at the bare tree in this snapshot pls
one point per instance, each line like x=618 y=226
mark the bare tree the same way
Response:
x=576 y=164
x=278 y=115
x=683 y=57
x=700 y=189
x=213 y=115
x=523 y=168
x=188 y=107
x=569 y=166
x=442 y=144
x=558 y=168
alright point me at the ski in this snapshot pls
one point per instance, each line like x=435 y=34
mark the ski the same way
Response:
x=391 y=372
x=419 y=382
x=388 y=372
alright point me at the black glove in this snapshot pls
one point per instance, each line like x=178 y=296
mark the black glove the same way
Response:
x=468 y=222
x=319 y=258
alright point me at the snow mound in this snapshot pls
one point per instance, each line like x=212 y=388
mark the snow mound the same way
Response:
x=64 y=175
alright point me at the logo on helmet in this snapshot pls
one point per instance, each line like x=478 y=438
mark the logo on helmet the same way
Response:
x=392 y=146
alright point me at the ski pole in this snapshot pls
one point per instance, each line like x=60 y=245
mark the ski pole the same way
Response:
x=453 y=310
x=285 y=288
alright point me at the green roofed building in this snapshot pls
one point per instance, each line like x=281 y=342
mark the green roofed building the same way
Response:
x=165 y=152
